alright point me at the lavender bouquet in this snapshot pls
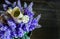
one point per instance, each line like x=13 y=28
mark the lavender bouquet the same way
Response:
x=17 y=22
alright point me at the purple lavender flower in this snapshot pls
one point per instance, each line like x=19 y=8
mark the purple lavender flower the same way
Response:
x=9 y=4
x=3 y=28
x=6 y=35
x=20 y=33
x=13 y=29
x=11 y=24
x=14 y=34
x=25 y=27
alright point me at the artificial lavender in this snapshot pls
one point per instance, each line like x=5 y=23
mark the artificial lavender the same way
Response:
x=20 y=26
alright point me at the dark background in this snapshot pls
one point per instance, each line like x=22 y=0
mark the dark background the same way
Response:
x=50 y=18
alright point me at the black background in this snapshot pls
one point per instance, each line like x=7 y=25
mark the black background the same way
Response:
x=50 y=18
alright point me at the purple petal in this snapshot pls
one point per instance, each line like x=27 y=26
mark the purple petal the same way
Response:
x=38 y=26
x=29 y=13
x=32 y=27
x=14 y=4
x=7 y=34
x=25 y=27
x=12 y=24
x=14 y=34
x=30 y=6
x=6 y=1
x=38 y=17
x=30 y=20
x=20 y=33
x=3 y=28
x=35 y=20
x=4 y=6
x=25 y=5
x=1 y=33
x=19 y=4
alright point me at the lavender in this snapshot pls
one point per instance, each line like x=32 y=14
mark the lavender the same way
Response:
x=18 y=21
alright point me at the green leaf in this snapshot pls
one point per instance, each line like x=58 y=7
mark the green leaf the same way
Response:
x=25 y=37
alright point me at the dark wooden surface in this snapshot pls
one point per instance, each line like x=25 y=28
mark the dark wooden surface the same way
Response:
x=50 y=18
